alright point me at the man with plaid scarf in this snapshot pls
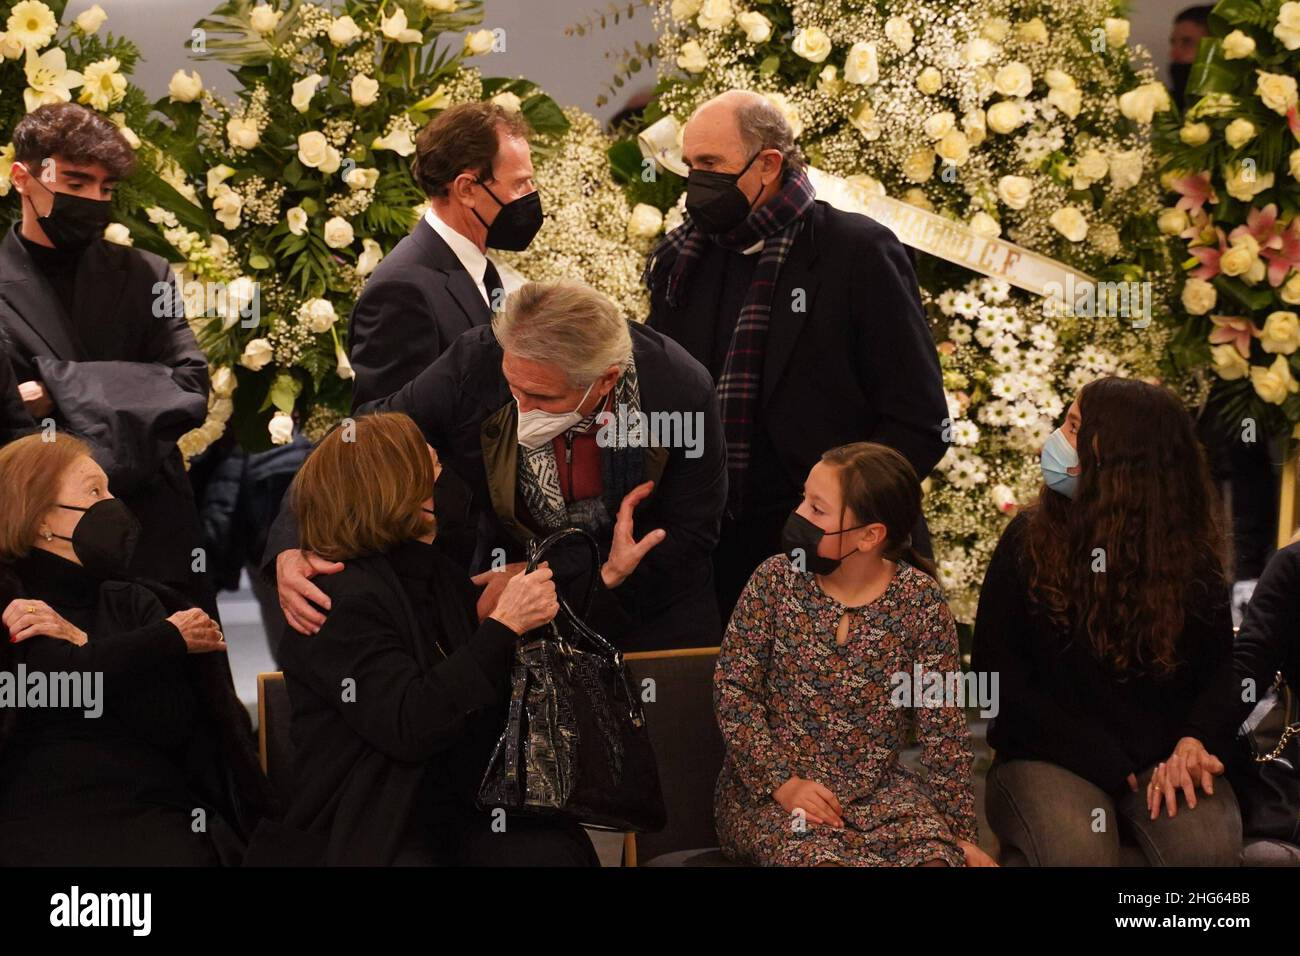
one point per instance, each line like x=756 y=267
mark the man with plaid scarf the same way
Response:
x=808 y=318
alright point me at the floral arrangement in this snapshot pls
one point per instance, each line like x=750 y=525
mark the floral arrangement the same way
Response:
x=1029 y=121
x=53 y=62
x=1234 y=162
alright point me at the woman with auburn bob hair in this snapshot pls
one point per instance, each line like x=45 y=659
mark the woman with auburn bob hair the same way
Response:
x=399 y=698
x=1105 y=614
x=156 y=739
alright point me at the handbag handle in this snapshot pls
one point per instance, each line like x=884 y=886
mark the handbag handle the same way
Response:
x=537 y=550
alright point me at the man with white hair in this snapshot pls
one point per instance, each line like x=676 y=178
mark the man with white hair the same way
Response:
x=809 y=319
x=563 y=413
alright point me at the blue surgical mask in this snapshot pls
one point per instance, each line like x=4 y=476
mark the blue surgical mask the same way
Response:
x=1059 y=455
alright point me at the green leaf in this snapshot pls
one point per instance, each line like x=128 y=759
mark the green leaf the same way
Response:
x=259 y=261
x=545 y=116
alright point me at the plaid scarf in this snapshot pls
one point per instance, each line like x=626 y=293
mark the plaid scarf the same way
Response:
x=775 y=224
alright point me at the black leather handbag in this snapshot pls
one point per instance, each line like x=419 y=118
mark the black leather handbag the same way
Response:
x=575 y=746
x=1268 y=782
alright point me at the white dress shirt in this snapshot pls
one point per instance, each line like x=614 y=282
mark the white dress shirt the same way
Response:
x=470 y=256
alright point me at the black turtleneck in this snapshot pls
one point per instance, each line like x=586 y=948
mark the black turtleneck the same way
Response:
x=59 y=267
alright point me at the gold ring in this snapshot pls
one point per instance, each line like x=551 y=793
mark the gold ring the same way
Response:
x=31 y=609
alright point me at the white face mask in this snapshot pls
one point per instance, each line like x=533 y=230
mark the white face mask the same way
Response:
x=537 y=427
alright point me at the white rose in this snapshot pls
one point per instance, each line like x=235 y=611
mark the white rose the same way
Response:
x=478 y=42
x=117 y=233
x=1239 y=132
x=1014 y=79
x=899 y=32
x=281 y=428
x=91 y=20
x=691 y=58
x=303 y=91
x=1199 y=296
x=263 y=19
x=1005 y=116
x=1238 y=260
x=684 y=10
x=1238 y=45
x=982 y=224
x=313 y=149
x=1015 y=191
x=758 y=28
x=1281 y=333
x=243 y=134
x=864 y=121
x=861 y=65
x=1126 y=168
x=1244 y=183
x=226 y=206
x=1274 y=384
x=954 y=148
x=317 y=314
x=938 y=124
x=975 y=125
x=644 y=222
x=365 y=90
x=930 y=81
x=1228 y=363
x=1290 y=291
x=371 y=254
x=918 y=167
x=1069 y=222
x=979 y=51
x=1089 y=168
x=1117 y=31
x=185 y=88
x=508 y=101
x=1068 y=101
x=297 y=217
x=344 y=31
x=358 y=178
x=1288 y=25
x=715 y=14
x=812 y=44
x=1277 y=91
x=1141 y=103
x=256 y=355
x=1032 y=31
x=1172 y=221
x=1194 y=134
x=338 y=233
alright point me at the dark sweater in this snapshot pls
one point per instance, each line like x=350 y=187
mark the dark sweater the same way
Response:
x=1060 y=704
x=1269 y=639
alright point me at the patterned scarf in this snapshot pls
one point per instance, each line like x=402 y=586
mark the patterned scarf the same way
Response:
x=775 y=224
x=622 y=465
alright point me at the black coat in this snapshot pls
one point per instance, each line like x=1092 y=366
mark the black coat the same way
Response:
x=14 y=420
x=131 y=395
x=851 y=359
x=361 y=765
x=463 y=406
x=1269 y=638
x=415 y=304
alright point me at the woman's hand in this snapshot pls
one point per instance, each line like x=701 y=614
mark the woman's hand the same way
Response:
x=974 y=855
x=625 y=552
x=819 y=805
x=27 y=618
x=527 y=601
x=1202 y=765
x=201 y=633
x=1189 y=765
x=493 y=581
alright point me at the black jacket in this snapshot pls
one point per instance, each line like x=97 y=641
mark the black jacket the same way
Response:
x=849 y=354
x=465 y=410
x=131 y=396
x=416 y=711
x=14 y=420
x=1269 y=638
x=415 y=304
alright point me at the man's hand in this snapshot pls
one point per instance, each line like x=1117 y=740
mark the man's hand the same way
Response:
x=625 y=553
x=38 y=401
x=299 y=598
x=494 y=581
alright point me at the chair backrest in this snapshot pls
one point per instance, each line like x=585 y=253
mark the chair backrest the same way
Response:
x=687 y=743
x=273 y=744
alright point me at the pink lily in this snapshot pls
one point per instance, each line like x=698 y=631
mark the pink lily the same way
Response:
x=1209 y=257
x=1259 y=225
x=1293 y=121
x=1286 y=256
x=1233 y=329
x=1195 y=190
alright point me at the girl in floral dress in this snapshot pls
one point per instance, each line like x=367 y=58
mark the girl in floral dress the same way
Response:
x=805 y=687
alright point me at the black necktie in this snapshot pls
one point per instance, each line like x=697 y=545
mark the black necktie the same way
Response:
x=492 y=283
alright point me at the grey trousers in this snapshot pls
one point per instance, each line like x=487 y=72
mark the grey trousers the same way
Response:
x=1056 y=818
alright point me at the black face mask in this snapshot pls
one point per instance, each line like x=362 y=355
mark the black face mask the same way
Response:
x=716 y=203
x=800 y=540
x=74 y=222
x=104 y=539
x=517 y=222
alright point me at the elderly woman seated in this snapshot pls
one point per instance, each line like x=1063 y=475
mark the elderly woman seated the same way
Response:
x=121 y=739
x=398 y=699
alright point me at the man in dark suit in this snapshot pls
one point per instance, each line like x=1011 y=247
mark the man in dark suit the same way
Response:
x=99 y=340
x=808 y=318
x=519 y=414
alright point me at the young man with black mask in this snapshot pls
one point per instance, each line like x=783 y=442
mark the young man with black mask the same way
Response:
x=98 y=336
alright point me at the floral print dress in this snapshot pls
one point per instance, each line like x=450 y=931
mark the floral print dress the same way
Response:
x=791 y=701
